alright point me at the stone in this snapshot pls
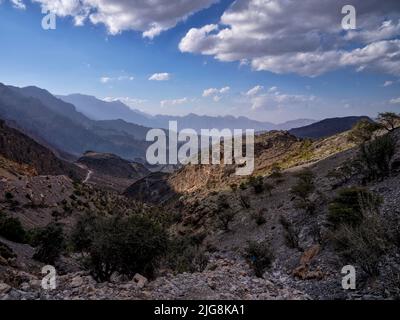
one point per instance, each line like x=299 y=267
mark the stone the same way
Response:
x=4 y=288
x=140 y=280
x=76 y=282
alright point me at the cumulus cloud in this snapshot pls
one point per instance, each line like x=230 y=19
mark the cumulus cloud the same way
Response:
x=259 y=98
x=216 y=93
x=174 y=102
x=302 y=37
x=395 y=101
x=254 y=91
x=160 y=77
x=149 y=17
x=18 y=4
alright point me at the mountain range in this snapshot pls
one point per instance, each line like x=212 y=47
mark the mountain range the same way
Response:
x=72 y=125
x=103 y=110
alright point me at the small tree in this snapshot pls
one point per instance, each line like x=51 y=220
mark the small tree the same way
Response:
x=127 y=245
x=257 y=183
x=375 y=157
x=303 y=189
x=49 y=243
x=389 y=120
x=349 y=206
x=259 y=255
x=362 y=131
x=11 y=229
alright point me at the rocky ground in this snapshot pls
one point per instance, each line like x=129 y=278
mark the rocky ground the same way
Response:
x=225 y=278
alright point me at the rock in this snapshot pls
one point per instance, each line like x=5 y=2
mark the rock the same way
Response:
x=77 y=282
x=3 y=262
x=140 y=280
x=4 y=288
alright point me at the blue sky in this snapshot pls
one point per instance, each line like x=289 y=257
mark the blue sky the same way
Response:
x=95 y=59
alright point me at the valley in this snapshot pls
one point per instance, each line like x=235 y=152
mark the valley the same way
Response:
x=116 y=228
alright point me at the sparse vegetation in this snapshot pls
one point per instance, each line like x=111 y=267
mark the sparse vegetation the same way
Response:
x=185 y=255
x=127 y=245
x=389 y=120
x=259 y=216
x=276 y=172
x=257 y=183
x=363 y=131
x=291 y=233
x=11 y=229
x=303 y=189
x=259 y=255
x=349 y=206
x=359 y=235
x=375 y=157
x=49 y=243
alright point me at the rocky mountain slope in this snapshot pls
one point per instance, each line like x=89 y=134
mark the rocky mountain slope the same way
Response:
x=40 y=114
x=109 y=170
x=327 y=127
x=21 y=149
x=269 y=236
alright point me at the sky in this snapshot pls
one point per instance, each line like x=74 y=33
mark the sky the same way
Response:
x=269 y=60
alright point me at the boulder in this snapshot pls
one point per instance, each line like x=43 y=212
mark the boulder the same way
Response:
x=140 y=280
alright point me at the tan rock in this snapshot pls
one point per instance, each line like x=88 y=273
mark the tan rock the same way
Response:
x=4 y=288
x=140 y=280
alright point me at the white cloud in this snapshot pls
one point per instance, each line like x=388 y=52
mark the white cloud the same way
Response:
x=266 y=35
x=273 y=98
x=130 y=102
x=387 y=83
x=215 y=93
x=149 y=17
x=106 y=79
x=255 y=90
x=174 y=102
x=210 y=92
x=395 y=101
x=18 y=4
x=160 y=77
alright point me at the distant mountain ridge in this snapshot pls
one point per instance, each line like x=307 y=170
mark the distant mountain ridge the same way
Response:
x=42 y=115
x=101 y=110
x=327 y=127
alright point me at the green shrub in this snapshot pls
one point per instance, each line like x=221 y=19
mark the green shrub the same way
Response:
x=126 y=245
x=257 y=183
x=259 y=216
x=49 y=243
x=185 y=255
x=375 y=157
x=303 y=189
x=224 y=218
x=363 y=245
x=389 y=120
x=362 y=131
x=259 y=255
x=349 y=206
x=276 y=172
x=11 y=229
x=291 y=233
